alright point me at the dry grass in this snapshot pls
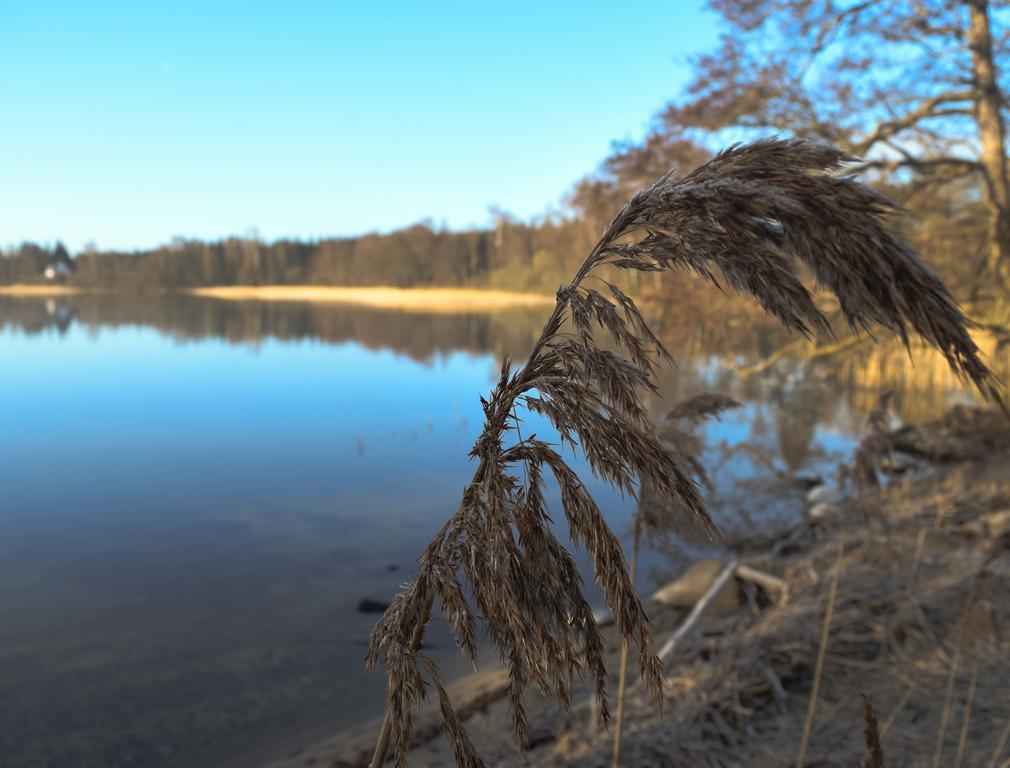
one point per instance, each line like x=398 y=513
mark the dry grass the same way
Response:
x=440 y=300
x=752 y=215
x=822 y=650
x=738 y=697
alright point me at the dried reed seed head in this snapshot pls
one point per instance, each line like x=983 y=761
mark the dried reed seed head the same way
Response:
x=871 y=733
x=702 y=406
x=752 y=214
x=756 y=212
x=459 y=740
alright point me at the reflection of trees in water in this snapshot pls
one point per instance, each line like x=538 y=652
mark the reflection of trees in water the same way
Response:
x=418 y=335
x=36 y=316
x=714 y=336
x=710 y=343
x=698 y=322
x=705 y=330
x=798 y=409
x=787 y=402
x=921 y=378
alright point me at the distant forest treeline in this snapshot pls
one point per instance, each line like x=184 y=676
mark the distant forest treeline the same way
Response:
x=920 y=91
x=949 y=230
x=518 y=255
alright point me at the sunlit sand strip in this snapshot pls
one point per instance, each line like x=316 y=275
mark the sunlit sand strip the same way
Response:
x=37 y=290
x=417 y=299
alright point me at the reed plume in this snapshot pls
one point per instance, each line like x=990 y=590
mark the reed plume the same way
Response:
x=871 y=732
x=752 y=215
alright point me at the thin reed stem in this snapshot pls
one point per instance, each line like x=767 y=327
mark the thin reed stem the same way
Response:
x=1000 y=744
x=902 y=702
x=382 y=742
x=696 y=613
x=920 y=547
x=963 y=741
x=886 y=726
x=945 y=715
x=623 y=675
x=871 y=729
x=821 y=653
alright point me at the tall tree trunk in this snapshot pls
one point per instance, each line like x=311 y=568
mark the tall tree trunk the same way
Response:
x=988 y=101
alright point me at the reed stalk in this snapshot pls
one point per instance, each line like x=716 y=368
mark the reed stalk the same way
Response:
x=962 y=742
x=1000 y=745
x=948 y=698
x=821 y=653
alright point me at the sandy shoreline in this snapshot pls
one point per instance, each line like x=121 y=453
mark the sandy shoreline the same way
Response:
x=37 y=290
x=435 y=300
x=471 y=694
x=382 y=297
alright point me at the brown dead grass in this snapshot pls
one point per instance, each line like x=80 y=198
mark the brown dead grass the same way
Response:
x=440 y=300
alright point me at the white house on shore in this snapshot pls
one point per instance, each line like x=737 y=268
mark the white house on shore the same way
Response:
x=60 y=267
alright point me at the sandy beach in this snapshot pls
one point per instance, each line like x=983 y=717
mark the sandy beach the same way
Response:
x=37 y=290
x=383 y=297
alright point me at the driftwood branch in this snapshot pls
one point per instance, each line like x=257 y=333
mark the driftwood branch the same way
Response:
x=769 y=583
x=699 y=609
x=821 y=651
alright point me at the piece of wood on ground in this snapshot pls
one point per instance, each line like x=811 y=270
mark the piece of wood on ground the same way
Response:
x=714 y=589
x=691 y=586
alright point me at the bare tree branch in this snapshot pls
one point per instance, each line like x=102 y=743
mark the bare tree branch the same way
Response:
x=928 y=109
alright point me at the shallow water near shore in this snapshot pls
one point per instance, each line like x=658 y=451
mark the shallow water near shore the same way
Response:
x=197 y=494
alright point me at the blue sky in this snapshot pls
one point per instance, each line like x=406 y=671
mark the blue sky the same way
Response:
x=128 y=123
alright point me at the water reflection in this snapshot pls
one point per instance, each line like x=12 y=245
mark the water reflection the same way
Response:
x=921 y=377
x=197 y=494
x=419 y=336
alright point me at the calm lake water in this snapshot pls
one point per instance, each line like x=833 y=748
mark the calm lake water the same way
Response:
x=195 y=495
